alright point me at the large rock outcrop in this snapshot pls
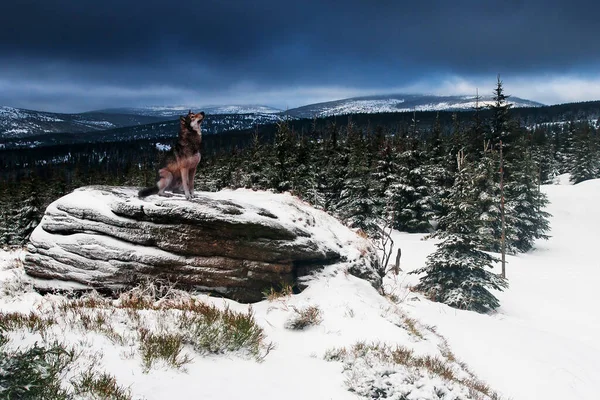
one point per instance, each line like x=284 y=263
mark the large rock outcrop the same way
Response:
x=235 y=243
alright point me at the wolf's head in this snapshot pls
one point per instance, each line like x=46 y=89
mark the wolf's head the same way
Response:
x=192 y=121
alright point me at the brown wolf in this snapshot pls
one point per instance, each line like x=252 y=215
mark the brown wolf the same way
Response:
x=181 y=165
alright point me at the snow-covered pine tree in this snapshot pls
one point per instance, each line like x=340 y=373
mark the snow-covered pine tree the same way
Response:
x=544 y=154
x=4 y=218
x=501 y=122
x=382 y=177
x=486 y=186
x=457 y=273
x=561 y=143
x=438 y=176
x=334 y=164
x=284 y=157
x=526 y=219
x=356 y=205
x=475 y=134
x=29 y=214
x=409 y=194
x=585 y=163
x=257 y=162
x=303 y=173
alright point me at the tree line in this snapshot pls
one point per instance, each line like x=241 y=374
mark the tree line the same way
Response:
x=443 y=179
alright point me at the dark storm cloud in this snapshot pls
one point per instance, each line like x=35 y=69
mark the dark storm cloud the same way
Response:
x=214 y=44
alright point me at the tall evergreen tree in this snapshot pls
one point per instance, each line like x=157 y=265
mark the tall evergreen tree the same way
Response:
x=457 y=273
x=284 y=157
x=486 y=186
x=334 y=164
x=526 y=218
x=475 y=135
x=501 y=122
x=382 y=177
x=585 y=155
x=409 y=195
x=438 y=176
x=356 y=205
x=29 y=213
x=256 y=163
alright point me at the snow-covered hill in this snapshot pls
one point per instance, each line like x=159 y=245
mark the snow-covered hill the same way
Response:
x=19 y=123
x=541 y=344
x=398 y=103
x=176 y=111
x=27 y=128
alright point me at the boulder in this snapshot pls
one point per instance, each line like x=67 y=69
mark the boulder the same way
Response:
x=234 y=243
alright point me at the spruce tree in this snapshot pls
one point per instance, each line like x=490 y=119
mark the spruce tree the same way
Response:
x=486 y=186
x=284 y=157
x=501 y=122
x=438 y=176
x=356 y=205
x=526 y=218
x=409 y=195
x=382 y=177
x=585 y=164
x=29 y=213
x=457 y=273
x=303 y=173
x=5 y=206
x=256 y=164
x=334 y=163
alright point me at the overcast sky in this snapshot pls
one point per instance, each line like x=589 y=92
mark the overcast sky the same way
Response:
x=80 y=55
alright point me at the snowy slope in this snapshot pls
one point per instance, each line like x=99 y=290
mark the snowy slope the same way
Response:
x=176 y=111
x=398 y=103
x=27 y=128
x=541 y=344
x=18 y=123
x=543 y=341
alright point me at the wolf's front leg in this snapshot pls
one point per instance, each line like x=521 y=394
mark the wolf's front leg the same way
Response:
x=185 y=181
x=191 y=180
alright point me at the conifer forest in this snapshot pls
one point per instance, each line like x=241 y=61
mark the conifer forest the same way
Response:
x=456 y=176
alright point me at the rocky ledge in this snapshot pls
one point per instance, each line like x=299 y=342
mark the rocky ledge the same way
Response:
x=233 y=243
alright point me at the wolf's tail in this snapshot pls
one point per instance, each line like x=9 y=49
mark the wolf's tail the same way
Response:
x=148 y=191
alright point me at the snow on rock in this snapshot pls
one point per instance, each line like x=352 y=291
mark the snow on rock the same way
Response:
x=235 y=243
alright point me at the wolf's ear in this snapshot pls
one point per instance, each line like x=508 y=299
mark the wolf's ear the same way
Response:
x=190 y=113
x=182 y=120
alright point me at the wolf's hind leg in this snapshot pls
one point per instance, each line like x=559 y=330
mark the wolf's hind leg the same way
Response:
x=166 y=177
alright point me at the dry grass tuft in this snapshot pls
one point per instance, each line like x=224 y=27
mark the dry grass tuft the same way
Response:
x=304 y=317
x=285 y=290
x=443 y=367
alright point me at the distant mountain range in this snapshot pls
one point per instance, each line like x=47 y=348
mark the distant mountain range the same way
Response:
x=398 y=103
x=18 y=123
x=176 y=111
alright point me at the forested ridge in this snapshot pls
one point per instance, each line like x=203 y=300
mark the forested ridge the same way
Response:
x=416 y=172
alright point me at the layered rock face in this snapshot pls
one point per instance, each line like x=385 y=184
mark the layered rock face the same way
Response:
x=234 y=243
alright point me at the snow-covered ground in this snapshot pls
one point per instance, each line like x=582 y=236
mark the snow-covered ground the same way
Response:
x=543 y=341
x=541 y=344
